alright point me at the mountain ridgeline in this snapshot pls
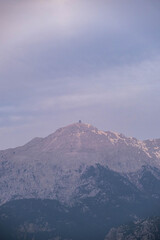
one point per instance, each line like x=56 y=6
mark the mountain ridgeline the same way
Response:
x=79 y=183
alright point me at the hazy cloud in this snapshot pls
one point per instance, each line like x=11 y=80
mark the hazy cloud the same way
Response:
x=70 y=59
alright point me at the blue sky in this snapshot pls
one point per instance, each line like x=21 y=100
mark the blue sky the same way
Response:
x=65 y=60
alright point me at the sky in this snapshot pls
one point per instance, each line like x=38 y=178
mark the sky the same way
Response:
x=66 y=60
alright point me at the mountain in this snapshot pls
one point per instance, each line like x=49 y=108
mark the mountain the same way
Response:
x=78 y=183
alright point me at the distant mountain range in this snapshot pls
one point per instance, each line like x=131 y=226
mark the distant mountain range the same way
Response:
x=77 y=183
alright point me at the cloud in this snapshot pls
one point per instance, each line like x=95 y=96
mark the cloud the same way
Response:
x=30 y=22
x=61 y=60
x=117 y=85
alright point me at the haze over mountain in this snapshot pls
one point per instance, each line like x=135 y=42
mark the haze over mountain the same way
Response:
x=79 y=172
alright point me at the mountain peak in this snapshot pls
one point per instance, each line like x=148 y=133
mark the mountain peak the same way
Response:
x=79 y=126
x=74 y=129
x=81 y=143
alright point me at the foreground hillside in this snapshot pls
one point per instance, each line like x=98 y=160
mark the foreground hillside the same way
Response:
x=143 y=229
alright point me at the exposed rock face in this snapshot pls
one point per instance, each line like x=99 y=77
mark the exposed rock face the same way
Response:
x=148 y=229
x=105 y=199
x=52 y=167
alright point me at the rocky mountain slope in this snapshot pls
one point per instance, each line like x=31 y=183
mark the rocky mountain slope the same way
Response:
x=45 y=166
x=78 y=183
